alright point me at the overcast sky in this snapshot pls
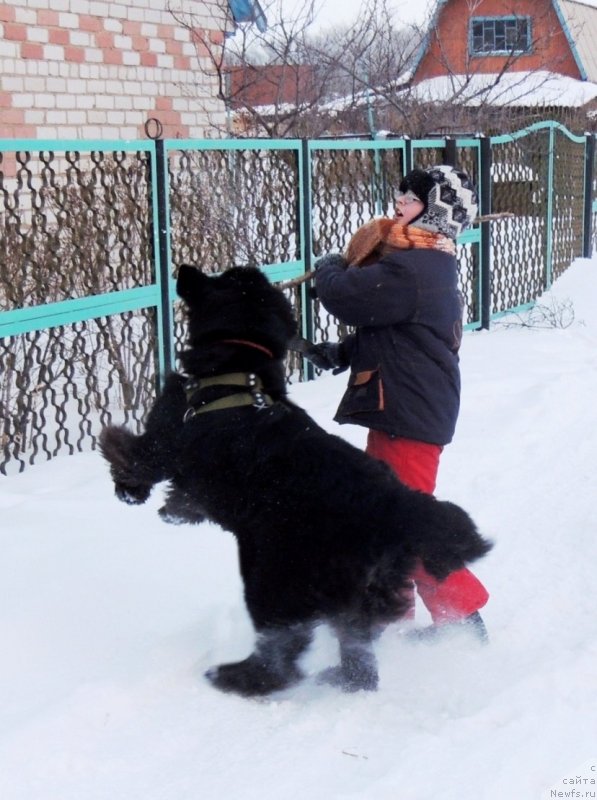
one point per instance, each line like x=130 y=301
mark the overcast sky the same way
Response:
x=415 y=11
x=334 y=12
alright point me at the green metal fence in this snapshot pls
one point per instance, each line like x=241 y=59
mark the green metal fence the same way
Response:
x=81 y=321
x=92 y=232
x=539 y=174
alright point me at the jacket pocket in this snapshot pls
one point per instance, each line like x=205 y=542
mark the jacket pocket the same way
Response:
x=364 y=393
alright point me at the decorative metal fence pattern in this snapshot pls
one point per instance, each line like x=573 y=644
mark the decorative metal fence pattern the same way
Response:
x=234 y=203
x=519 y=180
x=567 y=211
x=79 y=343
x=74 y=224
x=62 y=384
x=536 y=174
x=92 y=232
x=231 y=207
x=351 y=182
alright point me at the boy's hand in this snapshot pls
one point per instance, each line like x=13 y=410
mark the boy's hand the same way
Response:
x=331 y=260
x=327 y=355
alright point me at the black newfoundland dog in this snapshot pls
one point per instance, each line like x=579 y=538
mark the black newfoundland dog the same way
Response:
x=325 y=533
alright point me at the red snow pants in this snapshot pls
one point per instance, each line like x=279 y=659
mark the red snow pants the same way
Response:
x=416 y=464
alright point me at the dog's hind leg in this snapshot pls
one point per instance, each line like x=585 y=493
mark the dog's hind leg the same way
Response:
x=358 y=665
x=273 y=665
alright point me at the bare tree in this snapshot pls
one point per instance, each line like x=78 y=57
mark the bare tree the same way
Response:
x=375 y=57
x=480 y=96
x=369 y=62
x=293 y=80
x=263 y=77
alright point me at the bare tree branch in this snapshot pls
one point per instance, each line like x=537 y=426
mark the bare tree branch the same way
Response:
x=292 y=80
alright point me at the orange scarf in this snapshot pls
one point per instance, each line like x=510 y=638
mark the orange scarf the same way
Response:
x=373 y=236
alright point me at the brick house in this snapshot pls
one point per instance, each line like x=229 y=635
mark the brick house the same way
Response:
x=273 y=84
x=94 y=69
x=468 y=44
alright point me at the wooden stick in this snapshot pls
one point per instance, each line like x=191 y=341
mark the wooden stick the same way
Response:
x=296 y=281
x=491 y=217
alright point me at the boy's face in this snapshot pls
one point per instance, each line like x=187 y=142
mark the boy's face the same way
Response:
x=408 y=207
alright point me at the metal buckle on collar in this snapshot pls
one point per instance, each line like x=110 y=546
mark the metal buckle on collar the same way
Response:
x=189 y=414
x=255 y=387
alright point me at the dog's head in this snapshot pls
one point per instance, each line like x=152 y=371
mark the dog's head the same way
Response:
x=238 y=304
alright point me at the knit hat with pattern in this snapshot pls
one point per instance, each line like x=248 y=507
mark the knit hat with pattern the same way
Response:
x=449 y=196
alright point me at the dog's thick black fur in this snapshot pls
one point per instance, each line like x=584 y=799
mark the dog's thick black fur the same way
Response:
x=325 y=533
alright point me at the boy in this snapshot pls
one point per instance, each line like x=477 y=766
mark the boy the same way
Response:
x=397 y=286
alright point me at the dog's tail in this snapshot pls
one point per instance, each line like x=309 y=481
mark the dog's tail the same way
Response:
x=448 y=539
x=132 y=477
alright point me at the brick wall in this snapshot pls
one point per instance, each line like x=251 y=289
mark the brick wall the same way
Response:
x=271 y=84
x=99 y=70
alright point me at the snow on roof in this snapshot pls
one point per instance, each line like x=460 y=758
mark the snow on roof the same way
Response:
x=514 y=89
x=364 y=97
x=367 y=96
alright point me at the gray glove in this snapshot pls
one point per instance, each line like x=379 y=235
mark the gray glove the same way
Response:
x=328 y=355
x=333 y=259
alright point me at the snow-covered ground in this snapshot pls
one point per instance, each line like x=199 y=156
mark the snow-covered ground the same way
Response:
x=109 y=618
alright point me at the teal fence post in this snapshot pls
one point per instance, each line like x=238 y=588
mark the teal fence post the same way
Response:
x=306 y=248
x=549 y=220
x=165 y=316
x=587 y=246
x=377 y=182
x=485 y=155
x=408 y=154
x=450 y=152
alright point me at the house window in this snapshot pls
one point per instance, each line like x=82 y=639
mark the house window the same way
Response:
x=500 y=35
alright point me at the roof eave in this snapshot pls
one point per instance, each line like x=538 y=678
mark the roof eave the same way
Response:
x=570 y=39
x=424 y=46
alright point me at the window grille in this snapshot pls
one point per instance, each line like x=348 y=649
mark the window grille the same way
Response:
x=499 y=35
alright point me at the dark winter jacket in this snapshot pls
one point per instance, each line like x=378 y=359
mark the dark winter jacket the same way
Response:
x=407 y=310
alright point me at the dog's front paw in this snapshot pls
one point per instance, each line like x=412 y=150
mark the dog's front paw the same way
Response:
x=170 y=517
x=132 y=494
x=249 y=678
x=181 y=516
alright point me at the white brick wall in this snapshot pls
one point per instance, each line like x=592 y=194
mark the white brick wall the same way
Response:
x=90 y=69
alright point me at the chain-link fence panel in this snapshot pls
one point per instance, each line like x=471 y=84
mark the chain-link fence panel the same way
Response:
x=567 y=215
x=233 y=207
x=349 y=186
x=519 y=186
x=73 y=224
x=61 y=385
x=430 y=155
